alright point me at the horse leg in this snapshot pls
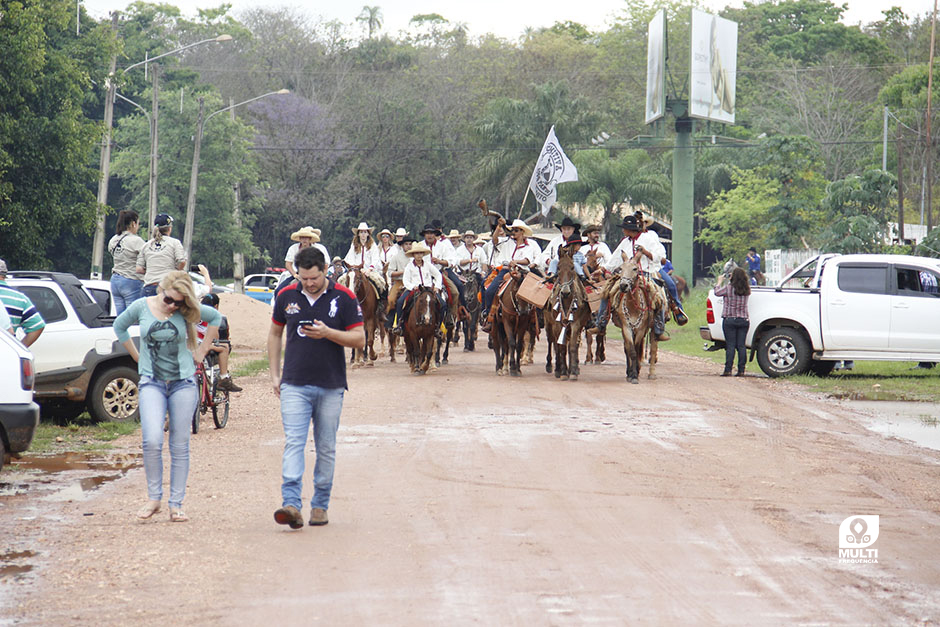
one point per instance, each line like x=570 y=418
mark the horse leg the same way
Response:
x=629 y=351
x=447 y=337
x=588 y=342
x=600 y=355
x=573 y=348
x=654 y=356
x=392 y=341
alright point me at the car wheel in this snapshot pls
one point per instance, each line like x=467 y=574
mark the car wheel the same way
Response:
x=115 y=396
x=782 y=352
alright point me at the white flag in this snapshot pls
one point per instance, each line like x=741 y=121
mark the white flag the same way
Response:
x=552 y=168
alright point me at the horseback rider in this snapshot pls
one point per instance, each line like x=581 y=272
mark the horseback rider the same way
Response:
x=443 y=256
x=567 y=227
x=520 y=252
x=418 y=273
x=665 y=278
x=470 y=256
x=396 y=270
x=646 y=250
x=387 y=250
x=595 y=251
x=573 y=243
x=363 y=255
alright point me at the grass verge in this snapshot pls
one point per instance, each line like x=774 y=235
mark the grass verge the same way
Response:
x=250 y=368
x=82 y=434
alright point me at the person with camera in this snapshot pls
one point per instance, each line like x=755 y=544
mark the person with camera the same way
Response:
x=160 y=256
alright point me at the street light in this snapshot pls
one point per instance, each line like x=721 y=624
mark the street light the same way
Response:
x=191 y=200
x=97 y=259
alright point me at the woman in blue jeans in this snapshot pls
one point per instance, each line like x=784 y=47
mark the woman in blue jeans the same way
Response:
x=126 y=284
x=734 y=320
x=167 y=362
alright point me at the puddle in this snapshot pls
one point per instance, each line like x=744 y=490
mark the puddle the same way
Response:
x=11 y=566
x=64 y=477
x=916 y=422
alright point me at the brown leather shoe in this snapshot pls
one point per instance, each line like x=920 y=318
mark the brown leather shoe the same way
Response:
x=289 y=515
x=663 y=337
x=318 y=517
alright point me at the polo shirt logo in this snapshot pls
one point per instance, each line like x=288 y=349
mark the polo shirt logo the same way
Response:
x=334 y=307
x=292 y=308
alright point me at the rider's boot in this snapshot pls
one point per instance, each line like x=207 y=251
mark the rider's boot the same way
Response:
x=678 y=313
x=659 y=326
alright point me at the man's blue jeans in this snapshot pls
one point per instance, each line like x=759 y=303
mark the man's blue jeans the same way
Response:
x=670 y=285
x=180 y=397
x=301 y=405
x=124 y=291
x=490 y=293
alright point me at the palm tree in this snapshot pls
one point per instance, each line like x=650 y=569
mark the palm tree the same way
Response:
x=629 y=178
x=513 y=131
x=372 y=17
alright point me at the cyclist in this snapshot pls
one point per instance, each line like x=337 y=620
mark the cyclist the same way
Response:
x=222 y=347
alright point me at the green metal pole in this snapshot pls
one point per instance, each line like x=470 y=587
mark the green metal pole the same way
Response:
x=683 y=177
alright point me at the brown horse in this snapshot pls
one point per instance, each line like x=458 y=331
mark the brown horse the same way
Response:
x=633 y=301
x=514 y=318
x=368 y=301
x=472 y=291
x=681 y=286
x=422 y=321
x=567 y=313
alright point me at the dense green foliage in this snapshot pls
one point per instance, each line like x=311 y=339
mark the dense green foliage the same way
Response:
x=401 y=129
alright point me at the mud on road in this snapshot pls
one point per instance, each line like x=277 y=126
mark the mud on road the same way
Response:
x=464 y=498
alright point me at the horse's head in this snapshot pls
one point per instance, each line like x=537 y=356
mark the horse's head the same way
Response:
x=566 y=274
x=629 y=273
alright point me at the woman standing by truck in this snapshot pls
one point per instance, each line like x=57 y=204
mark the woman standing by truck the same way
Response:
x=734 y=320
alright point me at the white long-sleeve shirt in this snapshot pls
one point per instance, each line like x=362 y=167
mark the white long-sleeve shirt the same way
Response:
x=385 y=256
x=550 y=252
x=444 y=251
x=398 y=263
x=427 y=275
x=496 y=254
x=648 y=240
x=601 y=250
x=476 y=258
x=368 y=258
x=527 y=250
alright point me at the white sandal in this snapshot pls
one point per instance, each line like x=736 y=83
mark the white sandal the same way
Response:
x=148 y=510
x=177 y=515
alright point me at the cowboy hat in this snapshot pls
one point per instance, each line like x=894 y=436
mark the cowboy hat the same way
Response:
x=567 y=222
x=591 y=228
x=418 y=248
x=429 y=228
x=454 y=233
x=385 y=232
x=519 y=224
x=362 y=227
x=305 y=232
x=631 y=223
x=469 y=233
x=575 y=239
x=479 y=241
x=401 y=232
x=647 y=220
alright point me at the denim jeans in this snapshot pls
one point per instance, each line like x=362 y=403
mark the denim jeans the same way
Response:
x=149 y=290
x=124 y=291
x=180 y=397
x=670 y=285
x=301 y=405
x=735 y=330
x=490 y=293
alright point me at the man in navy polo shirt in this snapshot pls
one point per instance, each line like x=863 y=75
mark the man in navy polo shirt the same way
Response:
x=321 y=318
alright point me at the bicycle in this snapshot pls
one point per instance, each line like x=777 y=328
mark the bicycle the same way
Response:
x=210 y=396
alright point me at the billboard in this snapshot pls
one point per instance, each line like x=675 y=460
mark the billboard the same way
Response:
x=656 y=68
x=714 y=67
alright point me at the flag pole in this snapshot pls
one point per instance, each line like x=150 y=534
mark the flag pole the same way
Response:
x=522 y=206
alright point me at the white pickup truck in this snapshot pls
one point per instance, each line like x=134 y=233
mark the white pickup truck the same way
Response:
x=841 y=307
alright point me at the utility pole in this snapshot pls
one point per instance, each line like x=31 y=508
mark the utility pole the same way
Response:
x=194 y=173
x=933 y=31
x=97 y=250
x=154 y=108
x=900 y=189
x=238 y=259
x=683 y=180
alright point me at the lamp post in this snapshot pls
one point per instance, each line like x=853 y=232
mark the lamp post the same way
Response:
x=194 y=174
x=98 y=245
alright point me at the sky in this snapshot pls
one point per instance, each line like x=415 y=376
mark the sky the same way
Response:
x=505 y=18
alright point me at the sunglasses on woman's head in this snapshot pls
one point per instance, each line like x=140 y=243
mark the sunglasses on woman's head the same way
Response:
x=170 y=301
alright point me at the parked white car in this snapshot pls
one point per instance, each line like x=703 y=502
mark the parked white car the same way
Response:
x=79 y=362
x=842 y=307
x=19 y=414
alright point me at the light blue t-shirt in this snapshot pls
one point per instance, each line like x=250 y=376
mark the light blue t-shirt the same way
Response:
x=579 y=260
x=163 y=352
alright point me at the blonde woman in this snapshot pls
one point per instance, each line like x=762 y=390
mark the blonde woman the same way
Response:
x=167 y=364
x=161 y=255
x=363 y=255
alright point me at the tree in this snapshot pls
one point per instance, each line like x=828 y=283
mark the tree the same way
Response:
x=47 y=170
x=371 y=17
x=736 y=219
x=856 y=212
x=628 y=179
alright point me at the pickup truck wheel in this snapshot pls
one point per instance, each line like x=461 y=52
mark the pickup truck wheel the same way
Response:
x=782 y=352
x=114 y=396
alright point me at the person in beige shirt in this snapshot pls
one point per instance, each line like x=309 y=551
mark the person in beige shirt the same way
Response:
x=161 y=255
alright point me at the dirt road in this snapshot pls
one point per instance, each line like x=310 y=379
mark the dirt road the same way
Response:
x=463 y=498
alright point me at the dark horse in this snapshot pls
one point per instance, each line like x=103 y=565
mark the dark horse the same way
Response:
x=450 y=322
x=514 y=318
x=472 y=294
x=422 y=321
x=633 y=300
x=369 y=302
x=567 y=313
